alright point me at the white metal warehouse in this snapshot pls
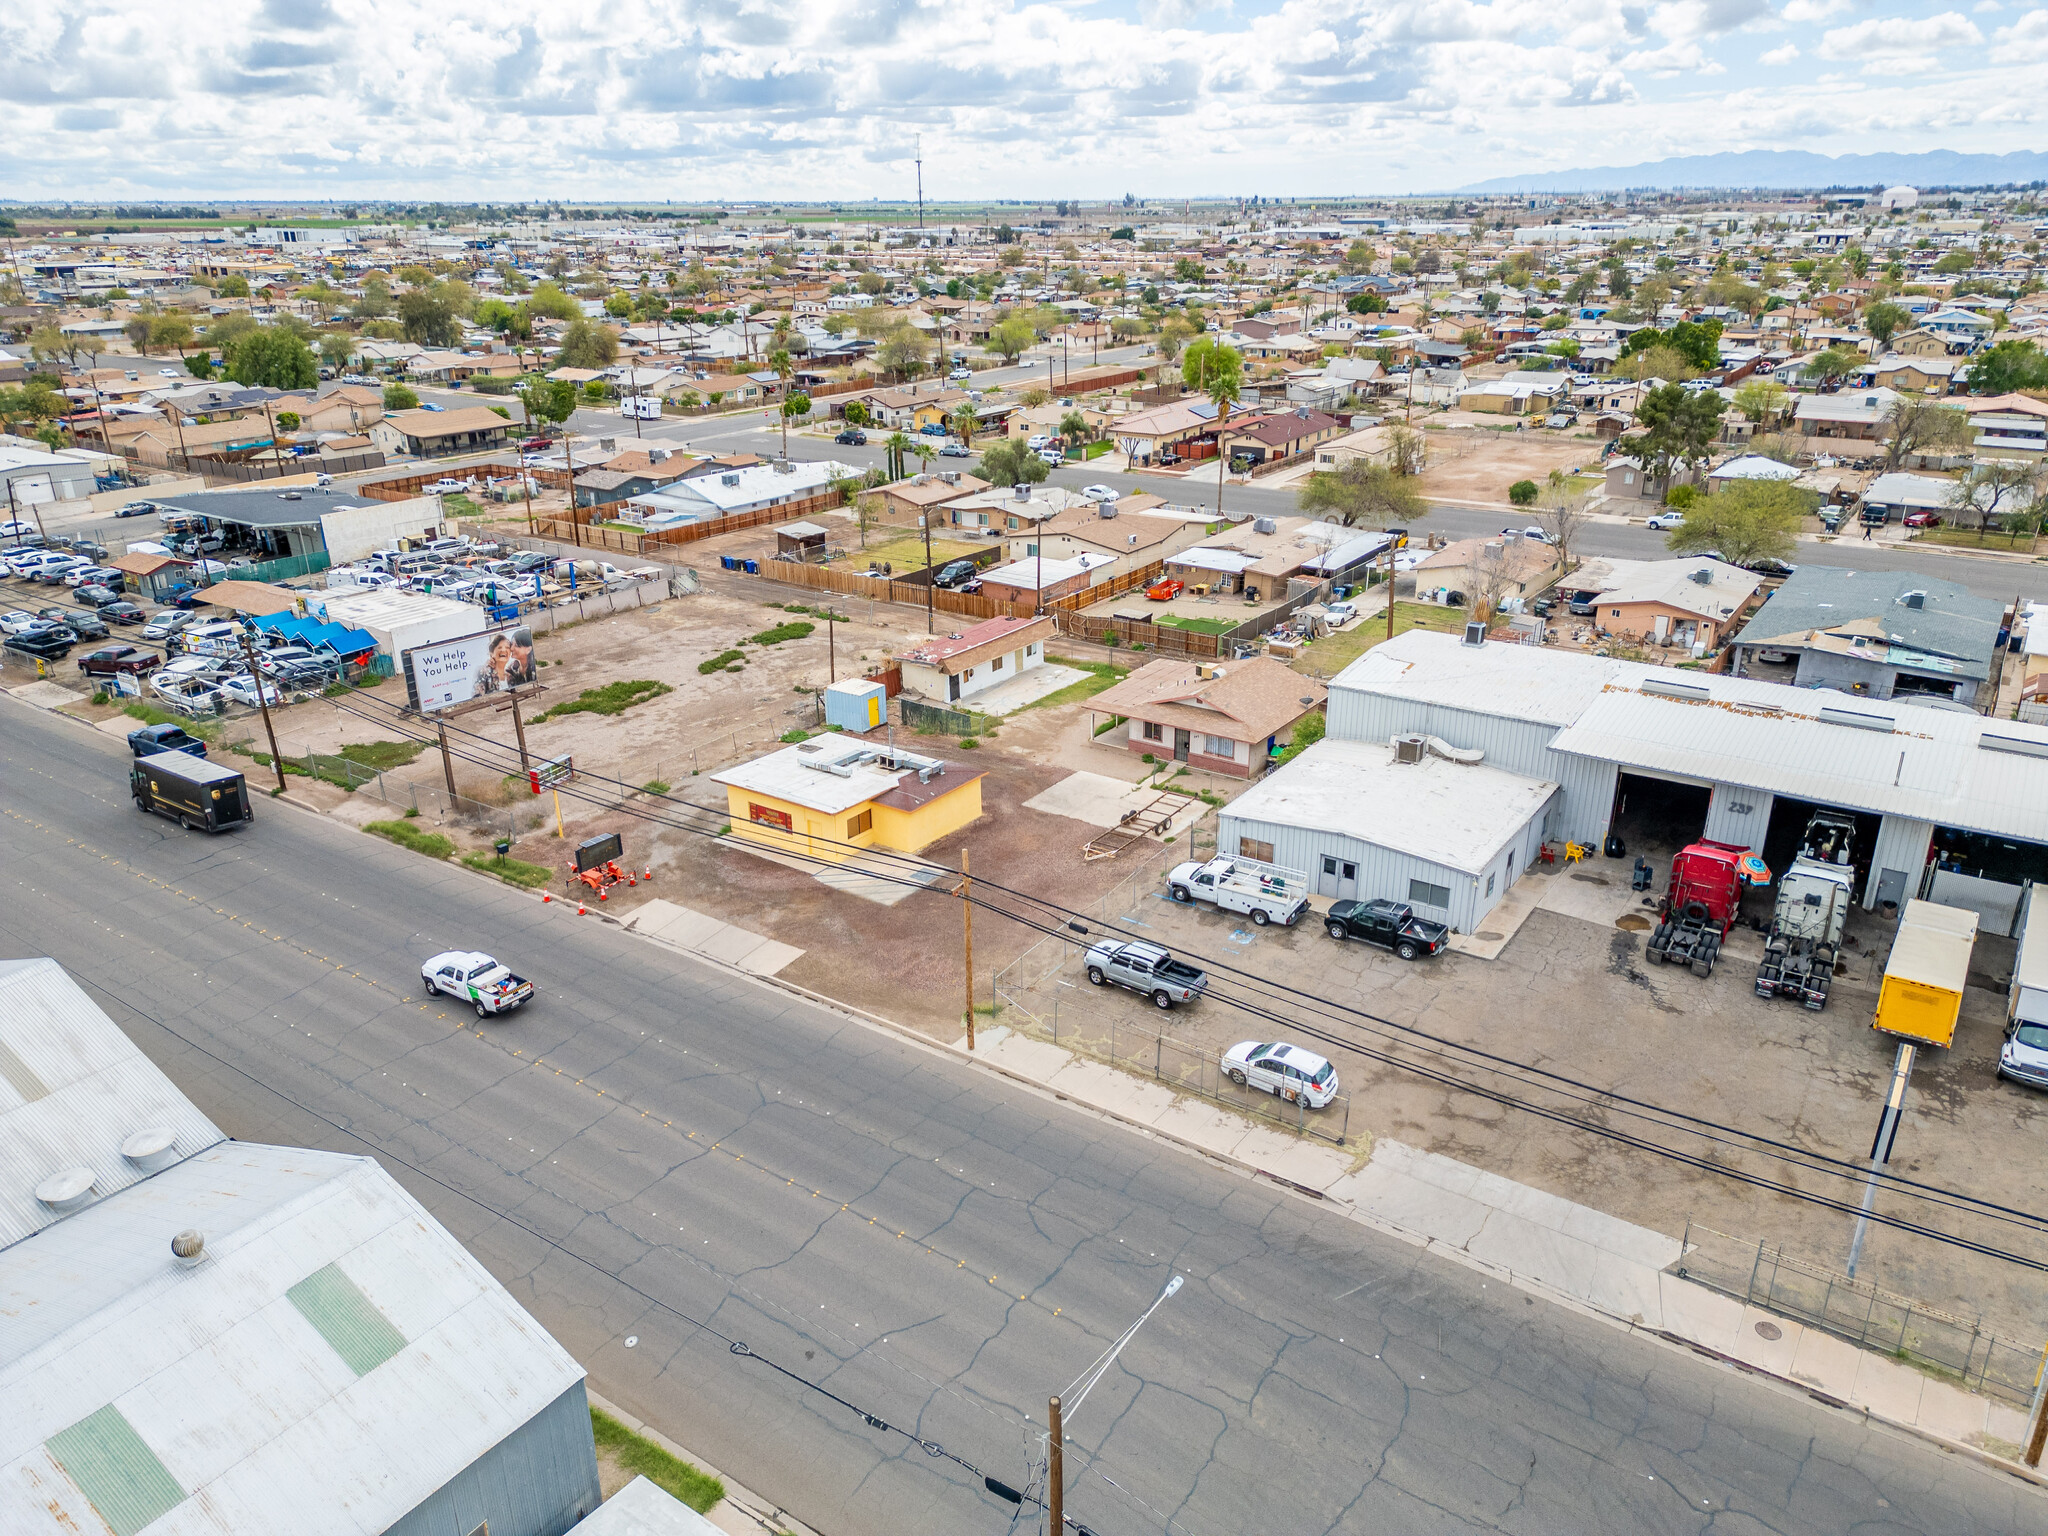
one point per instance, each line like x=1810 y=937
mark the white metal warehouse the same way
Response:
x=1930 y=778
x=1369 y=819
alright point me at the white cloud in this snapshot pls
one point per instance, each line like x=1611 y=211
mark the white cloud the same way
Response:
x=2024 y=42
x=1896 y=36
x=711 y=99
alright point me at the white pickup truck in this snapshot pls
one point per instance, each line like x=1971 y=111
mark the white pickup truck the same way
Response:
x=475 y=978
x=1265 y=892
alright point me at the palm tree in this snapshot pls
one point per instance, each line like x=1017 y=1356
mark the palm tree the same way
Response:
x=896 y=447
x=1218 y=372
x=965 y=422
x=779 y=361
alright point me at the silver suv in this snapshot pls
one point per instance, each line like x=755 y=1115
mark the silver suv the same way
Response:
x=1146 y=968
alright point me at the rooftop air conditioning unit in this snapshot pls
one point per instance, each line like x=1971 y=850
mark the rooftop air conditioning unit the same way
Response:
x=1105 y=510
x=729 y=479
x=1021 y=491
x=1475 y=633
x=1915 y=599
x=1410 y=749
x=1264 y=525
x=1703 y=576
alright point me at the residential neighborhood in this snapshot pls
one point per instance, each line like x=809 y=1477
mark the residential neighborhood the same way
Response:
x=802 y=844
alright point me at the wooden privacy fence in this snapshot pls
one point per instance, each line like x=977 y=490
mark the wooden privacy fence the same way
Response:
x=912 y=594
x=581 y=531
x=1163 y=638
x=1116 y=586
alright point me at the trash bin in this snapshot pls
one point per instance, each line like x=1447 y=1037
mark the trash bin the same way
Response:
x=753 y=567
x=728 y=562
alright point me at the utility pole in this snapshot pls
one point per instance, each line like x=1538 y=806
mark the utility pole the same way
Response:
x=920 y=183
x=1056 y=1472
x=1390 y=589
x=831 y=648
x=967 y=908
x=447 y=763
x=925 y=517
x=263 y=703
x=519 y=730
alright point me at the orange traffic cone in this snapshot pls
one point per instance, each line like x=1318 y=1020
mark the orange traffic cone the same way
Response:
x=602 y=896
x=546 y=897
x=581 y=909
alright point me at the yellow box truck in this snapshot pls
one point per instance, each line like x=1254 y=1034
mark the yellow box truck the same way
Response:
x=1922 y=992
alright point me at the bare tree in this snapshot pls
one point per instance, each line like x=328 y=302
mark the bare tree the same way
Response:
x=1407 y=450
x=1488 y=576
x=1995 y=488
x=1918 y=425
x=1562 y=508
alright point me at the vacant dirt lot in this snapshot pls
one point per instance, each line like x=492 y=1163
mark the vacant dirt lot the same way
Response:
x=1479 y=463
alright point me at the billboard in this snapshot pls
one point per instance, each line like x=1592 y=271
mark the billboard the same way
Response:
x=452 y=672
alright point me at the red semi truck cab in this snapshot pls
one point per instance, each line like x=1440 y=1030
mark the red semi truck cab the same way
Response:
x=1706 y=883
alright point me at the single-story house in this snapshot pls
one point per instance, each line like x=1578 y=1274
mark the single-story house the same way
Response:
x=631 y=474
x=1225 y=718
x=1628 y=480
x=1858 y=415
x=431 y=434
x=1688 y=603
x=1877 y=634
x=1284 y=435
x=1898 y=493
x=1400 y=821
x=949 y=668
x=1025 y=583
x=909 y=499
x=752 y=489
x=832 y=797
x=1525 y=567
x=1519 y=394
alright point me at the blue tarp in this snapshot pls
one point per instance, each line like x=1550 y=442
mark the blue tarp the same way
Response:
x=338 y=638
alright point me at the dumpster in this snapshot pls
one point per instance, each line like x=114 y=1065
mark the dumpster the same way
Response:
x=1922 y=991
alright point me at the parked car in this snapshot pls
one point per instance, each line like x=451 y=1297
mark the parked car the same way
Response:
x=164 y=738
x=101 y=598
x=1052 y=457
x=16 y=529
x=446 y=487
x=136 y=509
x=1661 y=521
x=1532 y=533
x=1770 y=567
x=1100 y=493
x=87 y=626
x=123 y=613
x=956 y=451
x=94 y=576
x=284 y=658
x=536 y=445
x=954 y=573
x=852 y=437
x=1389 y=924
x=167 y=624
x=1922 y=520
x=1038 y=440
x=211 y=668
x=1165 y=591
x=475 y=978
x=19 y=622
x=1285 y=1071
x=241 y=689
x=1341 y=614
x=51 y=644
x=109 y=659
x=932 y=429
x=57 y=567
x=1147 y=968
x=193 y=695
x=959 y=374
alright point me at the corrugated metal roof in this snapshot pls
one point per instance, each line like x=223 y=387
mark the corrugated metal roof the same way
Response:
x=72 y=1089
x=237 y=1396
x=1767 y=736
x=360 y=1334
x=642 y=1508
x=1520 y=682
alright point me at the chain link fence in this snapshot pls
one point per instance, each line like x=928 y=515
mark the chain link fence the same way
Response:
x=1956 y=1349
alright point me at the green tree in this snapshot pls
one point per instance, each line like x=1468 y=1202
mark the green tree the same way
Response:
x=1831 y=366
x=550 y=303
x=273 y=359
x=618 y=306
x=375 y=304
x=397 y=397
x=288 y=421
x=1523 y=493
x=1010 y=462
x=548 y=400
x=780 y=364
x=336 y=348
x=965 y=423
x=234 y=286
x=1010 y=336
x=1187 y=270
x=427 y=318
x=1953 y=261
x=1074 y=427
x=857 y=414
x=903 y=353
x=2008 y=366
x=1217 y=372
x=1367 y=303
x=137 y=332
x=587 y=344
x=1679 y=426
x=1174 y=335
x=1993 y=489
x=1360 y=492
x=1761 y=401
x=1750 y=520
x=1884 y=320
x=199 y=365
x=173 y=331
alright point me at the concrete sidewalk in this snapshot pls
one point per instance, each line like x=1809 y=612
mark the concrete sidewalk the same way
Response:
x=1531 y=1239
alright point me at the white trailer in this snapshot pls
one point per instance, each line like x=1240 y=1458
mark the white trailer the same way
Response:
x=1265 y=892
x=645 y=407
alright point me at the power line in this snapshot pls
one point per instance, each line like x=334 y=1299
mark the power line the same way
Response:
x=1453 y=1054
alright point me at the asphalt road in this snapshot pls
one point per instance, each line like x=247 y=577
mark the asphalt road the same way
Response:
x=653 y=1139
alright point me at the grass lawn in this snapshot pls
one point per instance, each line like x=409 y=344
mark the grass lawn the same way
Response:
x=1199 y=626
x=905 y=553
x=1103 y=675
x=1331 y=654
x=1974 y=538
x=406 y=835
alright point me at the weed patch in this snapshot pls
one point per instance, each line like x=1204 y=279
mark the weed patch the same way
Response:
x=611 y=699
x=432 y=844
x=149 y=714
x=724 y=661
x=511 y=871
x=796 y=629
x=637 y=1454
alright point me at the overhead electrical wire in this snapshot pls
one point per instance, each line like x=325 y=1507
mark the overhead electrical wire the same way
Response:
x=1058 y=921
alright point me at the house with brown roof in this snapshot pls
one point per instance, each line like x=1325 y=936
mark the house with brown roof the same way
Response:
x=907 y=500
x=1269 y=439
x=430 y=434
x=1226 y=717
x=948 y=668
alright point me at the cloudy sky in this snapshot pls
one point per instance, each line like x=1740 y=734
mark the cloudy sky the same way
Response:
x=823 y=99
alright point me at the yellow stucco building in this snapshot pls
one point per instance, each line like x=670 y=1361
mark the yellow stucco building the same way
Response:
x=836 y=795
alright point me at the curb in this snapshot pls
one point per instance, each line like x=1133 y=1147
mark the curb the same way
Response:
x=763 y=1514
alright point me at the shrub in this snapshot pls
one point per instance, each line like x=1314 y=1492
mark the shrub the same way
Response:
x=969 y=743
x=724 y=661
x=655 y=787
x=794 y=630
x=432 y=844
x=792 y=737
x=1679 y=497
x=1523 y=493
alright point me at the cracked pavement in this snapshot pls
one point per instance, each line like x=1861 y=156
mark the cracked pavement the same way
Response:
x=653 y=1141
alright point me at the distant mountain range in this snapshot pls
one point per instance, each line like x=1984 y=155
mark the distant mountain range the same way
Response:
x=1785 y=169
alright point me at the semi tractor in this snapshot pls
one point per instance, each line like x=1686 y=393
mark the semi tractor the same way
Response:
x=1702 y=904
x=1812 y=909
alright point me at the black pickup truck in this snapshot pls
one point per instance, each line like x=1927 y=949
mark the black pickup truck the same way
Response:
x=1389 y=924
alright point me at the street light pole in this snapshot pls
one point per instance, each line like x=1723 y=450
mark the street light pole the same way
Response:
x=1057 y=1418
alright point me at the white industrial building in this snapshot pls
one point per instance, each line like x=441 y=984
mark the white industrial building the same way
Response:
x=1415 y=820
x=1955 y=805
x=202 y=1336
